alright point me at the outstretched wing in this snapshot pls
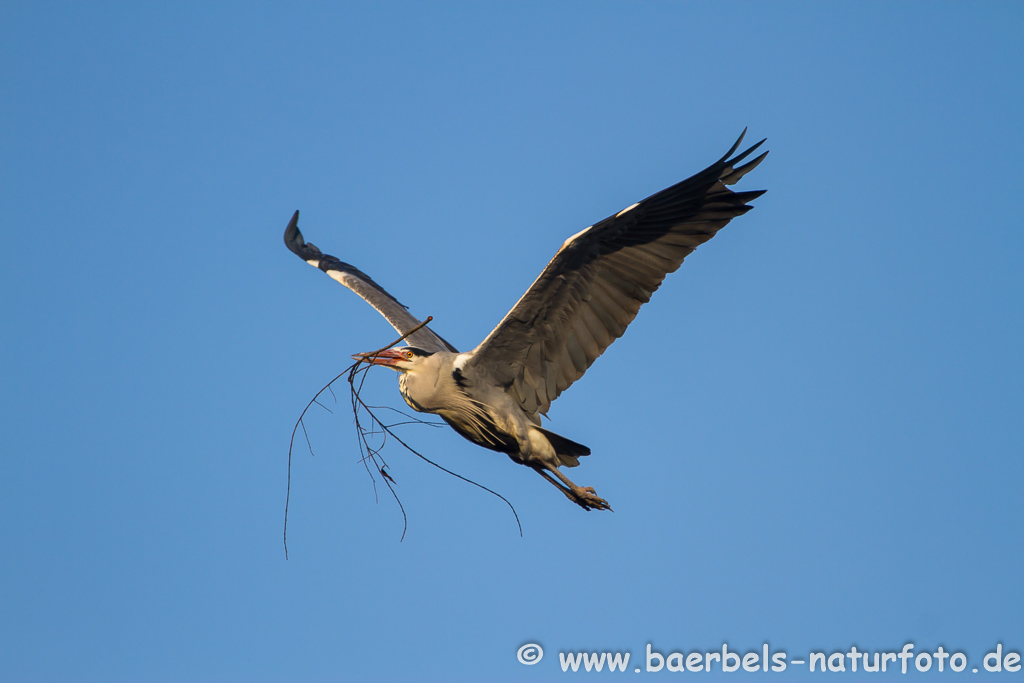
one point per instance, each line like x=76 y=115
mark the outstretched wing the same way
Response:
x=363 y=285
x=594 y=286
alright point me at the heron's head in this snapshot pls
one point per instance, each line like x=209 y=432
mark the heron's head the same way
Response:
x=403 y=358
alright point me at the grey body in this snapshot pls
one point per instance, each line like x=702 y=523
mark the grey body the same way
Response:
x=485 y=414
x=584 y=299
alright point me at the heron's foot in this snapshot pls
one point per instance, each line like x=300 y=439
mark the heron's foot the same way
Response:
x=584 y=496
x=587 y=498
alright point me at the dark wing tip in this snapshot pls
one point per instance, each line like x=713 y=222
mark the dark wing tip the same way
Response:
x=296 y=244
x=742 y=155
x=292 y=237
x=734 y=175
x=736 y=144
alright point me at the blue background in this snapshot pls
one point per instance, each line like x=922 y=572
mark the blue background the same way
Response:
x=811 y=437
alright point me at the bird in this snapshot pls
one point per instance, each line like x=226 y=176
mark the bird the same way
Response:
x=583 y=300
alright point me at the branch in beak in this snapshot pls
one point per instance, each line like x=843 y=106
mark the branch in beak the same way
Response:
x=388 y=358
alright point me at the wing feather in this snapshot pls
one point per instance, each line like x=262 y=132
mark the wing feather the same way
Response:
x=594 y=286
x=363 y=285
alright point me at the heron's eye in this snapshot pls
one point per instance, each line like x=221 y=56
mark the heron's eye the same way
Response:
x=408 y=354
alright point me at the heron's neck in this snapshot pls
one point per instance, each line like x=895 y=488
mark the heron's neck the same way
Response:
x=429 y=387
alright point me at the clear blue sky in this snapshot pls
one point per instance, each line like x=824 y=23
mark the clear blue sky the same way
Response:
x=811 y=437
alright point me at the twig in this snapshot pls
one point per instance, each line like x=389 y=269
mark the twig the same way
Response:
x=368 y=452
x=387 y=430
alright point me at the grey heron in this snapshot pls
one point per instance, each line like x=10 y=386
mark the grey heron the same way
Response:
x=583 y=300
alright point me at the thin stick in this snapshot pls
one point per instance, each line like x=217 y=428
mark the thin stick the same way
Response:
x=386 y=428
x=368 y=452
x=291 y=443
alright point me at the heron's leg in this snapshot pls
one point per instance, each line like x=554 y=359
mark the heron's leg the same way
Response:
x=568 y=493
x=585 y=497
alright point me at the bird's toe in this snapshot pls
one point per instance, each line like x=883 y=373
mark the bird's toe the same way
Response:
x=588 y=499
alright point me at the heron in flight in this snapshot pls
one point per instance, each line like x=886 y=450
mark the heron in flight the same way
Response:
x=583 y=300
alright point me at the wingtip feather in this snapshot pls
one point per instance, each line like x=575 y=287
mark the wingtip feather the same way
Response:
x=734 y=176
x=292 y=237
x=736 y=144
x=296 y=244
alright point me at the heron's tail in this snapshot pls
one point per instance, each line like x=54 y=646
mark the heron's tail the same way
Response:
x=568 y=451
